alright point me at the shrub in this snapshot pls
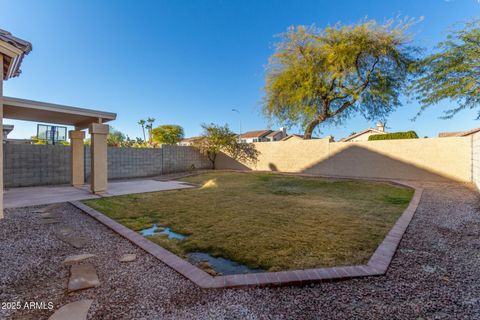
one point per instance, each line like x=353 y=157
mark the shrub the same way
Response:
x=394 y=136
x=216 y=139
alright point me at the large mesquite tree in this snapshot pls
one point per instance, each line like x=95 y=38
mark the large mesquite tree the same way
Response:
x=320 y=75
x=452 y=72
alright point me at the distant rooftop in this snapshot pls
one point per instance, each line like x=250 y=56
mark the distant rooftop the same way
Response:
x=255 y=134
x=459 y=133
x=191 y=139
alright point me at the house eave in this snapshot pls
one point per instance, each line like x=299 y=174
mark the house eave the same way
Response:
x=15 y=55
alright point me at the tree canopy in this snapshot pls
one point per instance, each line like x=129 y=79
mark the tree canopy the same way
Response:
x=115 y=138
x=453 y=71
x=317 y=75
x=216 y=139
x=167 y=134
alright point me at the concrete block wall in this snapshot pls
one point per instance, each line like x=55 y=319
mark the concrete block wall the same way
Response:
x=476 y=159
x=183 y=158
x=33 y=165
x=126 y=163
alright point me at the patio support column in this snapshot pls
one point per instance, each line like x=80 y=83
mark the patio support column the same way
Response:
x=77 y=157
x=99 y=169
x=1 y=136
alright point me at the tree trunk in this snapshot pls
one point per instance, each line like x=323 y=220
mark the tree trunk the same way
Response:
x=212 y=157
x=309 y=129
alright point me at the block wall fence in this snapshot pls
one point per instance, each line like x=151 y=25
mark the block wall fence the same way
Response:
x=33 y=165
x=432 y=159
x=476 y=160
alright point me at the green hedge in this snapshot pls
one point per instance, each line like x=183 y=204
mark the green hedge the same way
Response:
x=394 y=136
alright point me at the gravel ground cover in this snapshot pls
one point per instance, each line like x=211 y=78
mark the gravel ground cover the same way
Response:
x=434 y=274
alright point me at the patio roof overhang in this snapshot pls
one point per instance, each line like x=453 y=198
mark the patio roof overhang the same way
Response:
x=29 y=110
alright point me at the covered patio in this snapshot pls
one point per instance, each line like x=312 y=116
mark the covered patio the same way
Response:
x=12 y=52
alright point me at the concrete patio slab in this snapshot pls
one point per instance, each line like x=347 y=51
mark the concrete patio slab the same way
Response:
x=141 y=186
x=31 y=196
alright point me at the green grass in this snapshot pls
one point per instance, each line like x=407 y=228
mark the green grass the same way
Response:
x=266 y=220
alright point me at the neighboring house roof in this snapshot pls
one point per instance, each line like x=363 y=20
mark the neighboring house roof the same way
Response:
x=191 y=139
x=458 y=134
x=296 y=136
x=13 y=51
x=255 y=134
x=273 y=134
x=369 y=130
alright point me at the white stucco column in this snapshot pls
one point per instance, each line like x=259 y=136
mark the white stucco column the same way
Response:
x=1 y=136
x=77 y=157
x=99 y=169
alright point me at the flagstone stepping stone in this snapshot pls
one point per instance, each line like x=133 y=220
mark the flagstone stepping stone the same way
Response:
x=129 y=257
x=49 y=216
x=77 y=310
x=64 y=231
x=49 y=221
x=66 y=234
x=78 y=257
x=82 y=276
x=47 y=208
x=46 y=215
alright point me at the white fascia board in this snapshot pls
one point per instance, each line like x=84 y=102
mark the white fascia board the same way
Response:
x=12 y=52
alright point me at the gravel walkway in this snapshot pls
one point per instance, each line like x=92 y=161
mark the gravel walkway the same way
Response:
x=435 y=273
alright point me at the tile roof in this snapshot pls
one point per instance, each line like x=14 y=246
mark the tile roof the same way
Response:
x=299 y=136
x=353 y=136
x=20 y=44
x=255 y=134
x=191 y=139
x=273 y=134
x=458 y=134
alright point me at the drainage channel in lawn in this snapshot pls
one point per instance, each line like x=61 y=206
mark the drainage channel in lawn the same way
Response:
x=221 y=265
x=154 y=230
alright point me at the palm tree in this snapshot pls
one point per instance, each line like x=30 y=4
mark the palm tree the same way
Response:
x=149 y=127
x=142 y=123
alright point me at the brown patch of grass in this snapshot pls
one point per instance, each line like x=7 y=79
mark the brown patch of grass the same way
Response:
x=266 y=220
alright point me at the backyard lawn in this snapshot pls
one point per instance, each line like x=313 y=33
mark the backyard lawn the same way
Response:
x=267 y=221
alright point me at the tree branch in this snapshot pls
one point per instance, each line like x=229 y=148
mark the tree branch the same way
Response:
x=364 y=85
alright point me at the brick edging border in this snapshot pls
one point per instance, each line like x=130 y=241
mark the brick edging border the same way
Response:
x=377 y=265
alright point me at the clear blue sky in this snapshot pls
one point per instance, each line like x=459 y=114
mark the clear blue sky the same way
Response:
x=188 y=62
